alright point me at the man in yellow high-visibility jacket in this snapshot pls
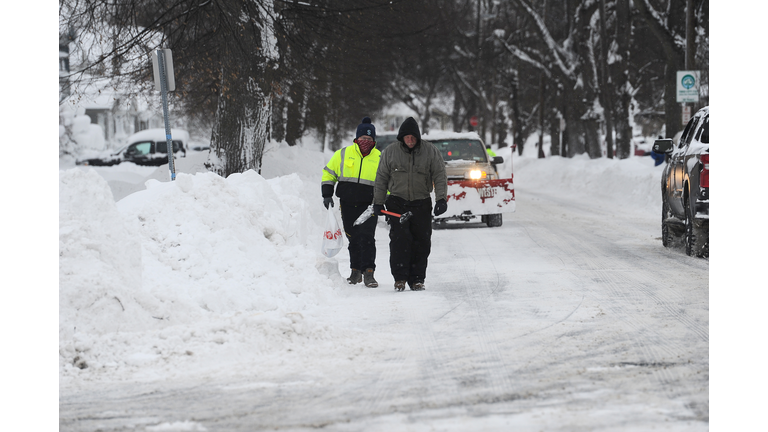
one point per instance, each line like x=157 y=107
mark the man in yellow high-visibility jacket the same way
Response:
x=354 y=169
x=492 y=155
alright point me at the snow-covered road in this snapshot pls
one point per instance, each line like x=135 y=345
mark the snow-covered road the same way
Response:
x=569 y=317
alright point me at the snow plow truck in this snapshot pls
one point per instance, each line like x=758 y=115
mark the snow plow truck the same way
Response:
x=474 y=187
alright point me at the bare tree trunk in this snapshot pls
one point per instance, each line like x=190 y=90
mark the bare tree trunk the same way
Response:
x=554 y=133
x=456 y=112
x=517 y=118
x=589 y=90
x=278 y=118
x=690 y=36
x=564 y=142
x=542 y=86
x=592 y=137
x=494 y=126
x=501 y=126
x=294 y=124
x=427 y=114
x=240 y=131
x=623 y=39
x=336 y=134
x=606 y=89
x=574 y=127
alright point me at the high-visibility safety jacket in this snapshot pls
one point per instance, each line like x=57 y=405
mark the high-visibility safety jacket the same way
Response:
x=355 y=174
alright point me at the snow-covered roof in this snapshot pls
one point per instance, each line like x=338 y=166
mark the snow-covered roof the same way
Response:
x=442 y=135
x=158 y=134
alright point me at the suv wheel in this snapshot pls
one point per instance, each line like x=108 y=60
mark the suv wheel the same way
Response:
x=696 y=233
x=666 y=235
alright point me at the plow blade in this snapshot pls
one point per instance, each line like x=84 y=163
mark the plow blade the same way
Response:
x=480 y=197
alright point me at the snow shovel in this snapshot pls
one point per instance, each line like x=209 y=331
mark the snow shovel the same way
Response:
x=369 y=212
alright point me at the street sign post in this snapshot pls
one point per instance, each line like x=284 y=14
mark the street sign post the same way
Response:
x=162 y=63
x=686 y=114
x=688 y=86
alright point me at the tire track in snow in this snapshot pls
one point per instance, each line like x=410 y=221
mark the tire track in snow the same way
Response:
x=384 y=389
x=485 y=370
x=615 y=268
x=605 y=271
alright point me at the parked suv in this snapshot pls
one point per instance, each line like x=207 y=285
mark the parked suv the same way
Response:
x=685 y=187
x=147 y=147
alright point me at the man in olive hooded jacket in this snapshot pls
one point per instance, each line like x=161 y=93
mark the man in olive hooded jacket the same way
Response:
x=408 y=171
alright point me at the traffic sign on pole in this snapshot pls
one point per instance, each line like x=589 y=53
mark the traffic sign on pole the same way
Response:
x=686 y=114
x=688 y=86
x=163 y=68
x=474 y=121
x=168 y=60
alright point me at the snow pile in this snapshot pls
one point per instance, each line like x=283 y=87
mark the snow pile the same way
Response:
x=99 y=260
x=200 y=266
x=631 y=185
x=77 y=134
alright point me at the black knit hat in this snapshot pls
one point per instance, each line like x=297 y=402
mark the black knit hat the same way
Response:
x=409 y=127
x=366 y=128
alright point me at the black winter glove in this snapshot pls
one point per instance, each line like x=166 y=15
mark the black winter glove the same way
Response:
x=377 y=208
x=327 y=201
x=440 y=207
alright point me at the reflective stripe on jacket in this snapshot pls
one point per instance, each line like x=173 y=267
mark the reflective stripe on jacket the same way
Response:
x=355 y=174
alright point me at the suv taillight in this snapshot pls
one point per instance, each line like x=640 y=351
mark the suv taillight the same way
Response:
x=704 y=176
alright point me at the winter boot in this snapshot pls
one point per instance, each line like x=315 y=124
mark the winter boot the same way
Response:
x=370 y=282
x=418 y=286
x=400 y=285
x=355 y=277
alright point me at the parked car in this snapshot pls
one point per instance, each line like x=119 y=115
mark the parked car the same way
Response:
x=685 y=186
x=642 y=148
x=474 y=188
x=104 y=158
x=150 y=147
x=147 y=147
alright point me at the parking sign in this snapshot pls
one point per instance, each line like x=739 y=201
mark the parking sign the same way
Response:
x=688 y=86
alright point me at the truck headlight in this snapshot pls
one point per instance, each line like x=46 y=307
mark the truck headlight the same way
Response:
x=477 y=175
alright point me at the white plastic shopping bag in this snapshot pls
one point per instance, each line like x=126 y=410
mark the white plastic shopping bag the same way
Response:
x=333 y=239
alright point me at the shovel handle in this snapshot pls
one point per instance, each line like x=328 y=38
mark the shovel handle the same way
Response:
x=403 y=217
x=391 y=213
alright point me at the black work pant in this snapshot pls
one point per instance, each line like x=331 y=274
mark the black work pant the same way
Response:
x=410 y=242
x=362 y=243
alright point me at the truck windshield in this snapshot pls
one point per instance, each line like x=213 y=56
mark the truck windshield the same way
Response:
x=461 y=149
